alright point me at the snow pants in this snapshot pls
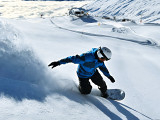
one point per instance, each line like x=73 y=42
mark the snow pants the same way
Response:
x=85 y=86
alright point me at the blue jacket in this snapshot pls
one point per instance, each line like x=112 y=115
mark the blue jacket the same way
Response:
x=88 y=62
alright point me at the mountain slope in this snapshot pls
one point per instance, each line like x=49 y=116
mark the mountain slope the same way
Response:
x=145 y=10
x=30 y=90
x=53 y=91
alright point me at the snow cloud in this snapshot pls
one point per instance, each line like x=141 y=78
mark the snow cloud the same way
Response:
x=22 y=74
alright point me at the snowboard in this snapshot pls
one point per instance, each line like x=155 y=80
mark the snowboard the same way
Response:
x=115 y=94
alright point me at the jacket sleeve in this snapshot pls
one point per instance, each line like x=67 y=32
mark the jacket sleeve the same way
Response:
x=105 y=71
x=78 y=59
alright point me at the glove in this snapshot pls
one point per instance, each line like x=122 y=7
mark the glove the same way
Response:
x=111 y=79
x=54 y=64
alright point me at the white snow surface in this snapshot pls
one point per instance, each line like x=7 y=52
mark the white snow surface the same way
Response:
x=146 y=11
x=30 y=90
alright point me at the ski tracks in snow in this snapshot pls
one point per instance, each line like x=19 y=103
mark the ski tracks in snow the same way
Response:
x=147 y=42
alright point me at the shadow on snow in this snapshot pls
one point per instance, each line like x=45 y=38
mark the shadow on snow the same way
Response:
x=85 y=99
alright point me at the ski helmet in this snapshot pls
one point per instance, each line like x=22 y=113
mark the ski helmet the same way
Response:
x=104 y=52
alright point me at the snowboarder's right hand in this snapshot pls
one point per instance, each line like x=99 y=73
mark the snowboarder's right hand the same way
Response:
x=111 y=79
x=54 y=64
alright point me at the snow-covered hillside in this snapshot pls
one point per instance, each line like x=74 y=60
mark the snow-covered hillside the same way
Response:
x=29 y=90
x=145 y=10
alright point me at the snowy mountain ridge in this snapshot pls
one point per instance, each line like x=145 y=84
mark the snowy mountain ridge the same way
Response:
x=146 y=10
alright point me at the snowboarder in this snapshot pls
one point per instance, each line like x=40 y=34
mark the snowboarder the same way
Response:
x=87 y=69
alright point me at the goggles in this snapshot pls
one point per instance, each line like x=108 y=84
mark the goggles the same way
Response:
x=104 y=56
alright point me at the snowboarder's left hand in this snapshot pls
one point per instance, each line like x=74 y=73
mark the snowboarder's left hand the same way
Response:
x=112 y=79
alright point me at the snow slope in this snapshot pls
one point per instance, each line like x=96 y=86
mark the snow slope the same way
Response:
x=26 y=81
x=145 y=10
x=30 y=90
